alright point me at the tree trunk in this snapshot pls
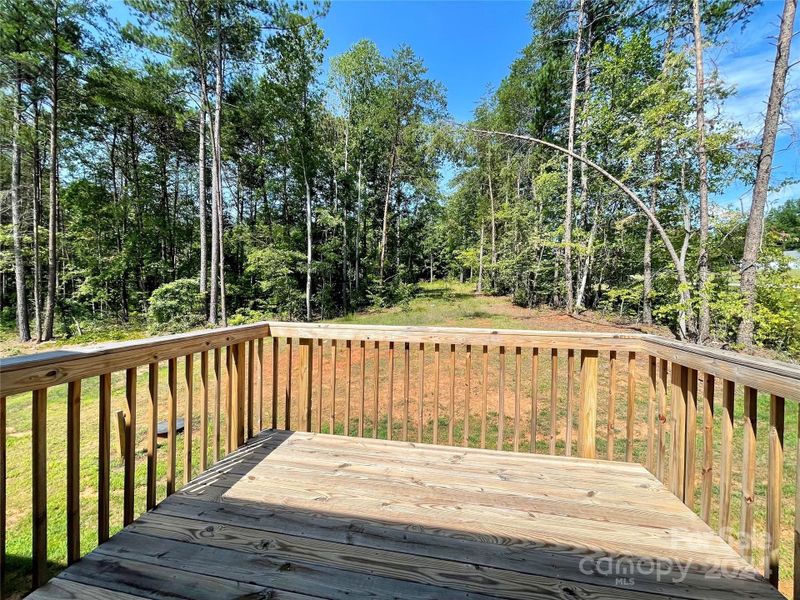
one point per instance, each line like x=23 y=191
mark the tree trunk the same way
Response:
x=384 y=232
x=587 y=263
x=52 y=259
x=755 y=225
x=480 y=263
x=308 y=242
x=358 y=229
x=492 y=212
x=37 y=209
x=570 y=300
x=201 y=197
x=704 y=320
x=647 y=261
x=23 y=326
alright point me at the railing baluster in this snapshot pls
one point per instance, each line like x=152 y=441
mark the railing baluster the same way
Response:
x=333 y=387
x=130 y=446
x=534 y=396
x=152 y=432
x=691 y=439
x=319 y=386
x=748 y=471
x=678 y=452
x=501 y=391
x=570 y=400
x=261 y=369
x=172 y=422
x=629 y=429
x=3 y=475
x=436 y=365
x=306 y=381
x=228 y=410
x=708 y=448
x=349 y=387
x=217 y=402
x=251 y=387
x=74 y=471
x=774 y=487
x=39 y=483
x=484 y=392
x=467 y=392
x=188 y=373
x=611 y=425
x=421 y=354
x=203 y=411
x=651 y=413
x=451 y=419
x=517 y=390
x=287 y=401
x=553 y=399
x=587 y=418
x=104 y=459
x=362 y=389
x=390 y=408
x=406 y=399
x=275 y=369
x=796 y=553
x=376 y=367
x=661 y=465
x=726 y=459
x=239 y=385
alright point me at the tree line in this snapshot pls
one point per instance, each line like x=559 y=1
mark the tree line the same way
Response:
x=586 y=175
x=197 y=163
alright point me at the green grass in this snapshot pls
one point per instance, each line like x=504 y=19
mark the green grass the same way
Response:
x=438 y=304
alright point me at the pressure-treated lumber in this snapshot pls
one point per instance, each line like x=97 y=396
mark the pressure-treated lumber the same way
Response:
x=748 y=471
x=726 y=460
x=129 y=448
x=259 y=530
x=73 y=472
x=587 y=417
x=104 y=458
x=774 y=483
x=39 y=486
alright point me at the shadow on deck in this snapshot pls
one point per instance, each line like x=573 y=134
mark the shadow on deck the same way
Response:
x=297 y=515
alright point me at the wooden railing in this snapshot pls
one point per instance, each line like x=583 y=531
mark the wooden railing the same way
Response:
x=625 y=397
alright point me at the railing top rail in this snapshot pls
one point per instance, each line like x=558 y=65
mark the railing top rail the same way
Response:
x=766 y=375
x=34 y=371
x=25 y=373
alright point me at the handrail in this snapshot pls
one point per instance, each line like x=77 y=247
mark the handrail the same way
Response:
x=29 y=372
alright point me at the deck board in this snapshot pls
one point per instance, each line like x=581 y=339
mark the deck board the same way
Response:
x=299 y=515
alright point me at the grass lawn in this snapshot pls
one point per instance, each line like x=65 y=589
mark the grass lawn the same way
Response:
x=447 y=304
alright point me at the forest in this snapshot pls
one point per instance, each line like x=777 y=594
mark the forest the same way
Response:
x=202 y=163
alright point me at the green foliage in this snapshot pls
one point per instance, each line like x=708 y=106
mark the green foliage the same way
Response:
x=276 y=274
x=785 y=221
x=176 y=306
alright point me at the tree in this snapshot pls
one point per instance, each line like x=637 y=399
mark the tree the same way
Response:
x=755 y=224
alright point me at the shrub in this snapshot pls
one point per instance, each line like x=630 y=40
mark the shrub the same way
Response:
x=176 y=306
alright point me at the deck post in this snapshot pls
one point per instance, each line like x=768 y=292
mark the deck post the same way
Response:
x=587 y=416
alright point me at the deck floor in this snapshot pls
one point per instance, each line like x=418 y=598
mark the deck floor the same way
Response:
x=298 y=515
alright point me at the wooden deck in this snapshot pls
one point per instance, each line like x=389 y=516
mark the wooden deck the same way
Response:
x=298 y=515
